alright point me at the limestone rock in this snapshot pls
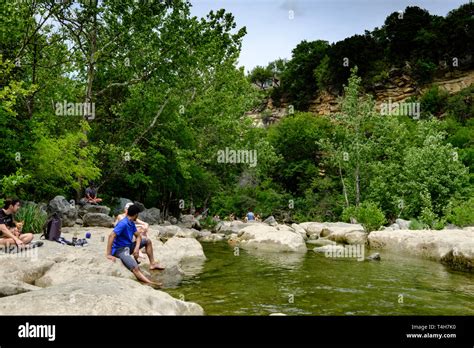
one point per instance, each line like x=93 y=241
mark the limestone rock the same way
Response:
x=455 y=248
x=66 y=211
x=267 y=238
x=151 y=216
x=270 y=221
x=97 y=219
x=97 y=295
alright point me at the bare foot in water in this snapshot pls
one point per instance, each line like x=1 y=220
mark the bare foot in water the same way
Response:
x=156 y=266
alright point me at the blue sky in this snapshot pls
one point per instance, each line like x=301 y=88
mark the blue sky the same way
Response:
x=271 y=34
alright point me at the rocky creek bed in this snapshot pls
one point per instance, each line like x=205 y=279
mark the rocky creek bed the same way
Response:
x=64 y=280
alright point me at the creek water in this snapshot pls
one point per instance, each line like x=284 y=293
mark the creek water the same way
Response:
x=256 y=283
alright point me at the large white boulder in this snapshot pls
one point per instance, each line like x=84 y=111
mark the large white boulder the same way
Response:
x=178 y=250
x=312 y=228
x=339 y=232
x=349 y=237
x=454 y=248
x=166 y=231
x=267 y=238
x=300 y=230
x=98 y=220
x=229 y=227
x=97 y=295
x=55 y=266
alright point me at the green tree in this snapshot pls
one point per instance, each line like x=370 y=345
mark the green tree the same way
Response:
x=298 y=80
x=261 y=76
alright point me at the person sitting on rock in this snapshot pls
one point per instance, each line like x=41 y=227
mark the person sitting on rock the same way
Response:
x=9 y=233
x=120 y=245
x=250 y=216
x=142 y=226
x=91 y=195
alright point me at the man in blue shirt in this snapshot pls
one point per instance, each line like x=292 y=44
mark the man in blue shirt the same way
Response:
x=121 y=244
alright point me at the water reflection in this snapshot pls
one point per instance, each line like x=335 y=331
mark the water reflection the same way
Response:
x=278 y=259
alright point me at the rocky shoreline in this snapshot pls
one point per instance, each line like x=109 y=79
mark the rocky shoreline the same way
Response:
x=453 y=247
x=65 y=280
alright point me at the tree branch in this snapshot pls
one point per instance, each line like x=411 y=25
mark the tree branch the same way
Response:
x=152 y=124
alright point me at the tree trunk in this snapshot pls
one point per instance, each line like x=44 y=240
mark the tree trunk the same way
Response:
x=343 y=186
x=357 y=180
x=88 y=95
x=31 y=99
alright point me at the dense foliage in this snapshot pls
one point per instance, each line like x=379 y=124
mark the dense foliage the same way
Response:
x=170 y=101
x=423 y=45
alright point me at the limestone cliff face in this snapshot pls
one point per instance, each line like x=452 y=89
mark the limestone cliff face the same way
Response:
x=398 y=87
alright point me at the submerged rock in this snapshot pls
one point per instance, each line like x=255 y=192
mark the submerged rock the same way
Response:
x=321 y=242
x=373 y=257
x=329 y=248
x=213 y=237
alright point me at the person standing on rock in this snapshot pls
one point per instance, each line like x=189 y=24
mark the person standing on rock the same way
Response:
x=9 y=233
x=121 y=244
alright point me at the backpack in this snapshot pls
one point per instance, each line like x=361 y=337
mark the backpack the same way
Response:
x=52 y=230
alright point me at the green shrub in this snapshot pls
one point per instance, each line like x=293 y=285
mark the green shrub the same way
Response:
x=439 y=224
x=460 y=106
x=208 y=223
x=424 y=70
x=368 y=214
x=429 y=218
x=463 y=214
x=433 y=102
x=11 y=184
x=417 y=225
x=33 y=217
